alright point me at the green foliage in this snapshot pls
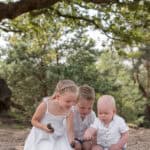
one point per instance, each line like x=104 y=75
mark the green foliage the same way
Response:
x=50 y=44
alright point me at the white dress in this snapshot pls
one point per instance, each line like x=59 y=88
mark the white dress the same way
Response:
x=38 y=139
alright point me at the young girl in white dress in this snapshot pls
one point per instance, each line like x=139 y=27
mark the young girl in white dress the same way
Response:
x=54 y=111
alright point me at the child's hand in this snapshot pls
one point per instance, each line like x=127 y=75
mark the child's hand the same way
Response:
x=72 y=144
x=115 y=147
x=49 y=126
x=87 y=135
x=45 y=128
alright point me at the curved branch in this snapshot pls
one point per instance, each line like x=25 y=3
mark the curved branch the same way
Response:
x=102 y=1
x=9 y=30
x=13 y=9
x=90 y=21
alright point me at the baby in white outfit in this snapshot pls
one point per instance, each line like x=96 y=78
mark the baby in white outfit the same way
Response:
x=111 y=129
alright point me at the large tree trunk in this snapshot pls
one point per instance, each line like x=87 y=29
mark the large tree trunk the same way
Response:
x=5 y=96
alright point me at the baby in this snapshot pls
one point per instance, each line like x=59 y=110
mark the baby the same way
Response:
x=111 y=129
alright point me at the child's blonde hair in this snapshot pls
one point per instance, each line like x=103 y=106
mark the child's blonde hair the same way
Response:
x=65 y=86
x=86 y=92
x=109 y=99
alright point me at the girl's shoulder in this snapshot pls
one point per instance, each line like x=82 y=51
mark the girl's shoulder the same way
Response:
x=46 y=99
x=49 y=103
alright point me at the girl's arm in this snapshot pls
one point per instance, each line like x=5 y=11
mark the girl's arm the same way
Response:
x=38 y=115
x=70 y=127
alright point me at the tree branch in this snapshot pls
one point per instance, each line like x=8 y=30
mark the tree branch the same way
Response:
x=90 y=21
x=101 y=1
x=9 y=30
x=13 y=9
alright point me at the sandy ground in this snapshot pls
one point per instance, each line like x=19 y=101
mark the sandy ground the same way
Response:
x=13 y=139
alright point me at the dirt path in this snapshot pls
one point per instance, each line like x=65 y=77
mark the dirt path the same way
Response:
x=139 y=139
x=13 y=139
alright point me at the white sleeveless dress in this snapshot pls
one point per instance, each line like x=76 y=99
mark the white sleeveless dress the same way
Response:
x=38 y=139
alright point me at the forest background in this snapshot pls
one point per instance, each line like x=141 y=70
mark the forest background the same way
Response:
x=47 y=41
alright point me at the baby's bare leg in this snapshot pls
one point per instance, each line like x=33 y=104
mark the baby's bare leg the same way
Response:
x=97 y=147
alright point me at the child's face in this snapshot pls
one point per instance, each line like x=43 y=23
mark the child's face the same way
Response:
x=84 y=107
x=67 y=100
x=105 y=113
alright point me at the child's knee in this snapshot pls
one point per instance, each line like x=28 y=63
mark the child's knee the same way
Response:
x=78 y=146
x=87 y=145
x=97 y=147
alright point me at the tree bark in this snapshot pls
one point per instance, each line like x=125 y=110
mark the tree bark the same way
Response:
x=13 y=9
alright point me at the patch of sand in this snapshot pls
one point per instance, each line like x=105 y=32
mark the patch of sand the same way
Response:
x=13 y=139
